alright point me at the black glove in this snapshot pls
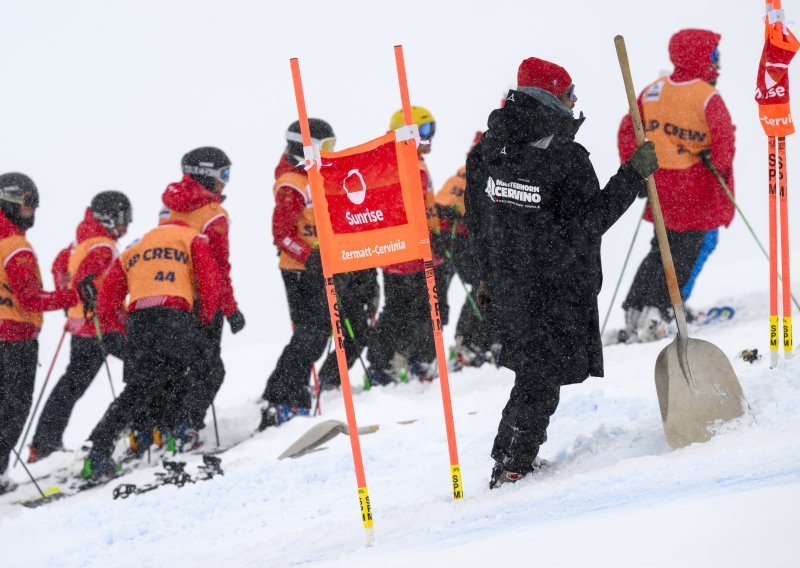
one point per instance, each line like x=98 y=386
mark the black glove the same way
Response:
x=483 y=297
x=87 y=292
x=236 y=321
x=644 y=160
x=705 y=157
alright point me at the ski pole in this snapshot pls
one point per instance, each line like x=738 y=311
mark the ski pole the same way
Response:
x=25 y=467
x=39 y=400
x=783 y=193
x=214 y=416
x=103 y=351
x=622 y=272
x=713 y=169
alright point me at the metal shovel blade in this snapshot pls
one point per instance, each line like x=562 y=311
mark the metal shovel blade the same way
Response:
x=690 y=405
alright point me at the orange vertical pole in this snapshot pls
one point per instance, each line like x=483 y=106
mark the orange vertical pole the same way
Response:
x=338 y=337
x=783 y=193
x=436 y=320
x=773 y=254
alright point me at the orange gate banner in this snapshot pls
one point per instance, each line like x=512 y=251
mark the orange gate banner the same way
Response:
x=368 y=204
x=772 y=80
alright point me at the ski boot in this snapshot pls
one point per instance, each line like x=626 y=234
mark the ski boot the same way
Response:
x=7 y=485
x=652 y=325
x=138 y=444
x=380 y=377
x=97 y=466
x=501 y=476
x=424 y=372
x=277 y=414
x=37 y=453
x=186 y=438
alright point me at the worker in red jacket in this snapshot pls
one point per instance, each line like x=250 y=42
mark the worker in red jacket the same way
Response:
x=686 y=118
x=197 y=201
x=90 y=256
x=22 y=302
x=403 y=330
x=171 y=282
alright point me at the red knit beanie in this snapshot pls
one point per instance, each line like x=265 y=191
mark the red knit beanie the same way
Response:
x=535 y=72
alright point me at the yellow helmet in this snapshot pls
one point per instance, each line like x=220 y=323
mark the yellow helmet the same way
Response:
x=419 y=115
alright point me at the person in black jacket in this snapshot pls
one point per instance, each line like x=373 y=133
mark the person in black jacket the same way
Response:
x=536 y=215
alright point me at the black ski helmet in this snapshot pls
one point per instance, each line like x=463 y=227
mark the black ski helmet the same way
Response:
x=207 y=164
x=320 y=130
x=111 y=209
x=16 y=190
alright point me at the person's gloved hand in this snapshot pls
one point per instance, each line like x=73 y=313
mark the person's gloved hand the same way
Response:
x=87 y=292
x=644 y=160
x=236 y=321
x=705 y=157
x=482 y=296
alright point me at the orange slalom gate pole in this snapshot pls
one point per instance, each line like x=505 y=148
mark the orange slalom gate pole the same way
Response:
x=783 y=192
x=773 y=254
x=338 y=337
x=436 y=320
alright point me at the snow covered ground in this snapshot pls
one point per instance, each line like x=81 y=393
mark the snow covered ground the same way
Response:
x=101 y=95
x=615 y=495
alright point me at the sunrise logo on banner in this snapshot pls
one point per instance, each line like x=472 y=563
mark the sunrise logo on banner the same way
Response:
x=772 y=79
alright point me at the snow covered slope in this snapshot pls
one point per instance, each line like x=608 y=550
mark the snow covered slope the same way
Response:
x=99 y=95
x=615 y=495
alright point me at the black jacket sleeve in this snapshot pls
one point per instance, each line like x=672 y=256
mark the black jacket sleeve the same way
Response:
x=594 y=211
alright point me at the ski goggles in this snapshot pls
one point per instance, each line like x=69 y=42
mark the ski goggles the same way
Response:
x=715 y=55
x=570 y=93
x=324 y=144
x=13 y=194
x=427 y=129
x=111 y=220
x=222 y=174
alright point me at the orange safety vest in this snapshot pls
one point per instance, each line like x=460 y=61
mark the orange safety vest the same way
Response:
x=452 y=192
x=160 y=264
x=201 y=217
x=306 y=226
x=430 y=201
x=76 y=257
x=675 y=120
x=9 y=306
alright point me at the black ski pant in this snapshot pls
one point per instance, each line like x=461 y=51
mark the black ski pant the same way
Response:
x=17 y=376
x=404 y=325
x=164 y=345
x=523 y=427
x=308 y=308
x=357 y=292
x=207 y=377
x=649 y=286
x=86 y=357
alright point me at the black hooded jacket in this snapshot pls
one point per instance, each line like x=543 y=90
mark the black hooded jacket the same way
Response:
x=536 y=216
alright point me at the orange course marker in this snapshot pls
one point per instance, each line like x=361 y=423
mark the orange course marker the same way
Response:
x=338 y=338
x=773 y=253
x=783 y=193
x=436 y=319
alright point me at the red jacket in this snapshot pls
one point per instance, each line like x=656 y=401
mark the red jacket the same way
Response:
x=96 y=262
x=112 y=294
x=27 y=288
x=692 y=199
x=289 y=206
x=188 y=195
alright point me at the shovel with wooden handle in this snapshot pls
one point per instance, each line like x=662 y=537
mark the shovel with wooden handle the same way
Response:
x=695 y=382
